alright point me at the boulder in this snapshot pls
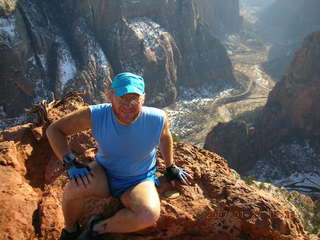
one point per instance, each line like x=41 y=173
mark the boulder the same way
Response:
x=19 y=204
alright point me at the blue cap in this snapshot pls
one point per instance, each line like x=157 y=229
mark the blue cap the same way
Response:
x=124 y=83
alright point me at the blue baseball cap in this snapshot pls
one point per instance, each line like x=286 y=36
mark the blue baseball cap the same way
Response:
x=124 y=83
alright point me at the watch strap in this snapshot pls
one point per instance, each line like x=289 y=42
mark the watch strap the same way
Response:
x=69 y=160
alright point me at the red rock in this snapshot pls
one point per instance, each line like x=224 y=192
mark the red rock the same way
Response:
x=292 y=106
x=19 y=202
x=217 y=206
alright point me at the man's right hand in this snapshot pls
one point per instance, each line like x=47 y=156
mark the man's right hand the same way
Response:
x=77 y=171
x=80 y=173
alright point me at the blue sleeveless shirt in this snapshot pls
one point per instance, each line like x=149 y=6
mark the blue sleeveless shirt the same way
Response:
x=126 y=151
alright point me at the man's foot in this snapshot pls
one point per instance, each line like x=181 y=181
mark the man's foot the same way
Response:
x=88 y=233
x=65 y=235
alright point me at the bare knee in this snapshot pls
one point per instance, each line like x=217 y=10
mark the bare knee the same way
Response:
x=148 y=216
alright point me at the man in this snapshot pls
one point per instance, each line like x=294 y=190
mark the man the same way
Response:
x=127 y=135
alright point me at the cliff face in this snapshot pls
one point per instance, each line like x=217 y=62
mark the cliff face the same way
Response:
x=219 y=205
x=58 y=46
x=40 y=58
x=292 y=112
x=290 y=124
x=286 y=23
x=293 y=103
x=233 y=141
x=221 y=16
x=294 y=19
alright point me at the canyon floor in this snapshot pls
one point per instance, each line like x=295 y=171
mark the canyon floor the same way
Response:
x=198 y=110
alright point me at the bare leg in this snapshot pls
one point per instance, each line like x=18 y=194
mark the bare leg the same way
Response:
x=74 y=197
x=71 y=213
x=142 y=209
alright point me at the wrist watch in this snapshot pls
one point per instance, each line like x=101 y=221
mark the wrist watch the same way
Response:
x=69 y=160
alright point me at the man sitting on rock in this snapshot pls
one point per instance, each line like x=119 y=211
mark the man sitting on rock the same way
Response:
x=127 y=134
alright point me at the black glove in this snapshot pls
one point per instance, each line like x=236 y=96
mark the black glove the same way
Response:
x=176 y=173
x=74 y=168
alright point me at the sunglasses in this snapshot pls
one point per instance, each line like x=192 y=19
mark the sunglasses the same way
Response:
x=134 y=101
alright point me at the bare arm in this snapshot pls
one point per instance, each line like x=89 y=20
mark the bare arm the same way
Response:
x=72 y=123
x=166 y=148
x=166 y=144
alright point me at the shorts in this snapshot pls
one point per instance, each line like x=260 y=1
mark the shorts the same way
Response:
x=119 y=185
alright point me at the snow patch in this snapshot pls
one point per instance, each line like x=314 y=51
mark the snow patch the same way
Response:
x=133 y=67
x=43 y=62
x=150 y=34
x=191 y=107
x=294 y=166
x=303 y=181
x=101 y=58
x=260 y=80
x=66 y=64
x=149 y=30
x=32 y=60
x=7 y=28
x=33 y=74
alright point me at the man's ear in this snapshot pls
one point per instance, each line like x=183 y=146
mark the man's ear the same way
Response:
x=143 y=98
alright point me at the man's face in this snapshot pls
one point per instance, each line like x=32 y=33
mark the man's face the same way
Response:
x=127 y=107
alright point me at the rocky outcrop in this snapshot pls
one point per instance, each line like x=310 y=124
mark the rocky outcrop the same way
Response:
x=224 y=139
x=219 y=205
x=143 y=47
x=95 y=71
x=58 y=46
x=292 y=104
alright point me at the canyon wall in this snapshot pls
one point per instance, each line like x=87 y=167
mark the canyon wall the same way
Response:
x=291 y=111
x=285 y=23
x=292 y=106
x=57 y=46
x=221 y=16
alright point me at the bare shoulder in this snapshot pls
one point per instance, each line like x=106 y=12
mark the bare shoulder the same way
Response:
x=166 y=126
x=74 y=122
